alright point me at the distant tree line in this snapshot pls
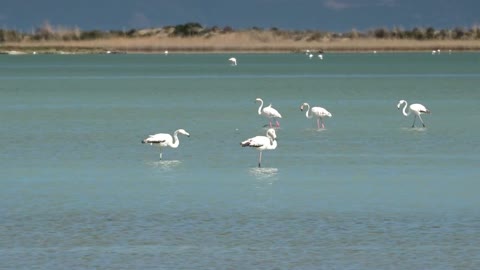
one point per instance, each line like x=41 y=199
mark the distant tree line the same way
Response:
x=190 y=29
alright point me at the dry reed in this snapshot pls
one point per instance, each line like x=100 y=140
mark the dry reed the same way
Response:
x=243 y=41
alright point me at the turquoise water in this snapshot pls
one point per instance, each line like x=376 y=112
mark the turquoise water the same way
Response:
x=78 y=190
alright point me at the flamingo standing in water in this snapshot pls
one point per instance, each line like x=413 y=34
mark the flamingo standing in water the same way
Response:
x=318 y=112
x=416 y=108
x=261 y=143
x=165 y=140
x=268 y=112
x=233 y=61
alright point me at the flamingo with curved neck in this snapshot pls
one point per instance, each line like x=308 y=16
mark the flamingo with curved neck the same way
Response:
x=165 y=140
x=416 y=108
x=318 y=112
x=268 y=112
x=268 y=142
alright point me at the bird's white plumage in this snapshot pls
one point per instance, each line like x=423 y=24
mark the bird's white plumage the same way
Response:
x=268 y=142
x=162 y=139
x=317 y=112
x=233 y=61
x=268 y=112
x=416 y=108
x=165 y=140
x=261 y=143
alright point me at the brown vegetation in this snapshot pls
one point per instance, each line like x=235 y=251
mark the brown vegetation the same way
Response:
x=192 y=37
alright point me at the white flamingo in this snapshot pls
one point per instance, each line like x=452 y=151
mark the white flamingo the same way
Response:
x=416 y=108
x=165 y=140
x=268 y=112
x=261 y=143
x=233 y=61
x=318 y=112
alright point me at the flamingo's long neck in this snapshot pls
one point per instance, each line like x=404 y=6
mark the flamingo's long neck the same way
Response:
x=405 y=109
x=273 y=143
x=260 y=108
x=308 y=114
x=175 y=142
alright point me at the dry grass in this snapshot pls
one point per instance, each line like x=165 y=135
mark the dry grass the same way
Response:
x=242 y=41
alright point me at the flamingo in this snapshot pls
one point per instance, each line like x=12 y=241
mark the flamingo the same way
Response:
x=261 y=143
x=164 y=140
x=268 y=112
x=416 y=108
x=318 y=112
x=233 y=61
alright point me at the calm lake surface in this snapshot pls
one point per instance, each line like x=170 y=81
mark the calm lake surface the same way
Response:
x=78 y=190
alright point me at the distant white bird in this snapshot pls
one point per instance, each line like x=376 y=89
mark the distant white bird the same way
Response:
x=268 y=112
x=310 y=56
x=166 y=52
x=165 y=140
x=261 y=143
x=416 y=108
x=233 y=61
x=320 y=56
x=318 y=112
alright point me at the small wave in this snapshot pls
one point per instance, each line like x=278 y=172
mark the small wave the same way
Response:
x=164 y=164
x=264 y=173
x=414 y=129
